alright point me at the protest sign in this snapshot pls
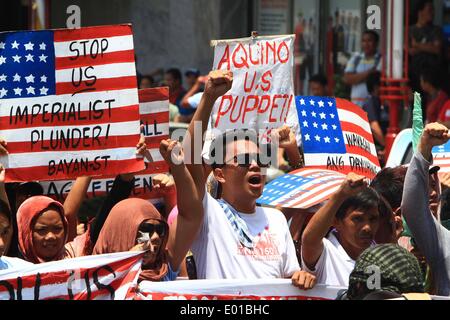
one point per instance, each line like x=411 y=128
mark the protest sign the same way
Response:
x=69 y=103
x=301 y=189
x=336 y=136
x=262 y=95
x=258 y=289
x=100 y=277
x=154 y=115
x=441 y=158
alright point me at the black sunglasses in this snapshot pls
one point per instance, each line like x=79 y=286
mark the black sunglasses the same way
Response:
x=245 y=160
x=150 y=228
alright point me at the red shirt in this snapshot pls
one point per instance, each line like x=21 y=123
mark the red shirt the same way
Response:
x=444 y=115
x=434 y=106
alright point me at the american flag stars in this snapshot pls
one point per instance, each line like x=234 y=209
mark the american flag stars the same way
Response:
x=26 y=65
x=320 y=125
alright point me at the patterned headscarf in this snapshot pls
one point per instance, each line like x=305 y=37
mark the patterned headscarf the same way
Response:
x=398 y=269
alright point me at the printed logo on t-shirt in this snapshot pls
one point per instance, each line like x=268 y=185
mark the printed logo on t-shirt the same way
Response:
x=266 y=248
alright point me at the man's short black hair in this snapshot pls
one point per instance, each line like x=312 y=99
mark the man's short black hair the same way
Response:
x=374 y=34
x=319 y=78
x=422 y=4
x=372 y=81
x=175 y=73
x=365 y=200
x=432 y=76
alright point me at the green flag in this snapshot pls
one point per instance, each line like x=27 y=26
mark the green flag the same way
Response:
x=417 y=120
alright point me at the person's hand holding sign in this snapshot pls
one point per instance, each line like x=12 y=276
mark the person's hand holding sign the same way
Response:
x=3 y=150
x=352 y=185
x=219 y=83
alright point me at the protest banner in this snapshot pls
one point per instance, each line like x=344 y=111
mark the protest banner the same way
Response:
x=301 y=189
x=441 y=158
x=336 y=136
x=69 y=103
x=154 y=116
x=262 y=95
x=258 y=289
x=100 y=277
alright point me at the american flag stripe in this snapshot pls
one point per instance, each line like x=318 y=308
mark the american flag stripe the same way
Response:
x=301 y=189
x=110 y=84
x=121 y=114
x=113 y=57
x=35 y=173
x=126 y=97
x=115 y=43
x=104 y=71
x=123 y=130
x=92 y=33
x=306 y=188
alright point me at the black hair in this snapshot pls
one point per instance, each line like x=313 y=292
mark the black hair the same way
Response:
x=175 y=73
x=445 y=205
x=374 y=34
x=422 y=4
x=432 y=76
x=5 y=210
x=373 y=80
x=218 y=147
x=319 y=78
x=365 y=200
x=389 y=183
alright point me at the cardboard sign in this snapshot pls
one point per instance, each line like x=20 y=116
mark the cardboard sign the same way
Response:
x=69 y=103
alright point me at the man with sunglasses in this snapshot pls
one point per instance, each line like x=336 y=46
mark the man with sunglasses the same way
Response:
x=237 y=239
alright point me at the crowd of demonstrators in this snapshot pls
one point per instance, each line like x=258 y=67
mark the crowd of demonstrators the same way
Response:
x=211 y=227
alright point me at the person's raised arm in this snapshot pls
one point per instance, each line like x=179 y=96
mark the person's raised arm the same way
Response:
x=286 y=141
x=321 y=222
x=415 y=202
x=73 y=203
x=195 y=88
x=190 y=209
x=218 y=83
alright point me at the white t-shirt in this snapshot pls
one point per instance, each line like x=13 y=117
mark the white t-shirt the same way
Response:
x=13 y=263
x=218 y=253
x=334 y=265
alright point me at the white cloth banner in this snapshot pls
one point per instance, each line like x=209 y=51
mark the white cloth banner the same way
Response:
x=259 y=289
x=99 y=277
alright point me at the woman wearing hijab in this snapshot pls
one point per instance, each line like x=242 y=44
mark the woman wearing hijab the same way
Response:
x=135 y=224
x=43 y=230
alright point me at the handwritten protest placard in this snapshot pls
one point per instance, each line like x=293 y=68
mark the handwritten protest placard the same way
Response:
x=336 y=136
x=99 y=277
x=69 y=103
x=262 y=95
x=154 y=115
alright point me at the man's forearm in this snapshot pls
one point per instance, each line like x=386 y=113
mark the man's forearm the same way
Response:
x=322 y=221
x=188 y=201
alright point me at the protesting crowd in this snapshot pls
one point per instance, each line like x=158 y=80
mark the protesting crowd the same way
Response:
x=378 y=238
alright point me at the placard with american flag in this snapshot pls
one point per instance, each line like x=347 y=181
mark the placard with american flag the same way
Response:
x=301 y=189
x=336 y=135
x=69 y=103
x=154 y=113
x=441 y=158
